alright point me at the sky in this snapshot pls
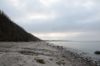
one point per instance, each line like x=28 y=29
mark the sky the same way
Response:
x=56 y=19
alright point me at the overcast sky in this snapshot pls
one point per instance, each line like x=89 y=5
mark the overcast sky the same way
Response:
x=56 y=19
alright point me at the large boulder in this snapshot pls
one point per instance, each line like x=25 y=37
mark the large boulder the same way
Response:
x=9 y=31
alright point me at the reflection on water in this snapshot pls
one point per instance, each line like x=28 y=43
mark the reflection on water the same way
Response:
x=86 y=46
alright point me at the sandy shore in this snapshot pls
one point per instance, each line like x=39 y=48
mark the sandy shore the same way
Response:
x=39 y=54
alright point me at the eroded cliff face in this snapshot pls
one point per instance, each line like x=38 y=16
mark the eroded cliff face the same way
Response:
x=9 y=31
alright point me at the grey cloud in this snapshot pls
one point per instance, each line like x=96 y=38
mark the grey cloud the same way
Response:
x=69 y=19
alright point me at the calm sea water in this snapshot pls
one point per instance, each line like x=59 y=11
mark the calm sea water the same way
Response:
x=88 y=47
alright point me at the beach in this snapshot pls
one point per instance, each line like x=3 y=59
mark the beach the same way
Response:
x=39 y=54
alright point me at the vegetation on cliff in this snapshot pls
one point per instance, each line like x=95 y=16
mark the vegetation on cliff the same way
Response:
x=9 y=31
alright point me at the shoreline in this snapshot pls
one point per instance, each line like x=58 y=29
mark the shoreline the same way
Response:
x=49 y=54
x=75 y=53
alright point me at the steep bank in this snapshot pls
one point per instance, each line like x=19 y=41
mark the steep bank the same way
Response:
x=9 y=31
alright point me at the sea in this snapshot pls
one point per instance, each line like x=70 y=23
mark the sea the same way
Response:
x=88 y=48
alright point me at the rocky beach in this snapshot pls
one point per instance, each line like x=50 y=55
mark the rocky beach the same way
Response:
x=39 y=54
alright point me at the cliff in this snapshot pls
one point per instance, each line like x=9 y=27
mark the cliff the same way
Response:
x=9 y=31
